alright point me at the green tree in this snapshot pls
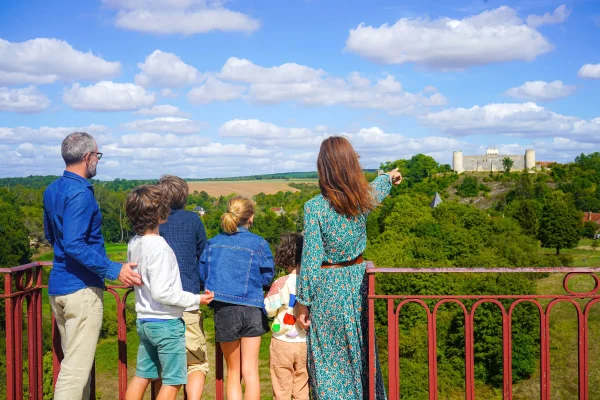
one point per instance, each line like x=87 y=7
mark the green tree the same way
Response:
x=527 y=213
x=14 y=237
x=507 y=163
x=589 y=229
x=560 y=225
x=469 y=187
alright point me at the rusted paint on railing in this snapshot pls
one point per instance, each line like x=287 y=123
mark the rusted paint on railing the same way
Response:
x=393 y=318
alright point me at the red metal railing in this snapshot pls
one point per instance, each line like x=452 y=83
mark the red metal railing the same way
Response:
x=396 y=302
x=23 y=285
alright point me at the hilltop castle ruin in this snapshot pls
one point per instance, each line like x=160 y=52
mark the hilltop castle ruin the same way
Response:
x=492 y=161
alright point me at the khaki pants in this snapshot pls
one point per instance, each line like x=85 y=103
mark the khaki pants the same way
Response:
x=195 y=342
x=289 y=373
x=79 y=319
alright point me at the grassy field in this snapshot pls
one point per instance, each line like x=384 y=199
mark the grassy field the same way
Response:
x=245 y=188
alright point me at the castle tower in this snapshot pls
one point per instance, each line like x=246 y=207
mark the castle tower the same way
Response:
x=529 y=159
x=457 y=162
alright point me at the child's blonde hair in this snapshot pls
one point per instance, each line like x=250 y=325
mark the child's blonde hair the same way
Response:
x=239 y=211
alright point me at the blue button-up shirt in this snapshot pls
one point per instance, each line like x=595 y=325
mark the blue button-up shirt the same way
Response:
x=72 y=223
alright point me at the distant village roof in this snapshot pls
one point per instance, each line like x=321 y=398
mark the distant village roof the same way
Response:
x=437 y=200
x=590 y=216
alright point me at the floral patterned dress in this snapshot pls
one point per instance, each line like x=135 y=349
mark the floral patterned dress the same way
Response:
x=338 y=336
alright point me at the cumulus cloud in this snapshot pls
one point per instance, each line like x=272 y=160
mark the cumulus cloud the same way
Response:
x=187 y=17
x=162 y=110
x=242 y=70
x=355 y=92
x=155 y=140
x=589 y=71
x=493 y=36
x=374 y=145
x=47 y=134
x=42 y=61
x=559 y=16
x=108 y=96
x=166 y=70
x=541 y=91
x=215 y=90
x=164 y=124
x=25 y=100
x=311 y=87
x=527 y=119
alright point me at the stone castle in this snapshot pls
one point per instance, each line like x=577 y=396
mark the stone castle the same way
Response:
x=492 y=161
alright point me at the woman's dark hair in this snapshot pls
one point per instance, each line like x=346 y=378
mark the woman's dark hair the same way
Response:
x=146 y=206
x=341 y=178
x=289 y=251
x=176 y=191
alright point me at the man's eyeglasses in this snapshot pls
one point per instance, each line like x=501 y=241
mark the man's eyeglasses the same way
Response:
x=98 y=155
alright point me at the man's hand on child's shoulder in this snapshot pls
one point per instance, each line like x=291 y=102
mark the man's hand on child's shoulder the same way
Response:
x=207 y=297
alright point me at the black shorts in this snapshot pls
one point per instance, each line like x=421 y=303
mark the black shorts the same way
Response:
x=233 y=321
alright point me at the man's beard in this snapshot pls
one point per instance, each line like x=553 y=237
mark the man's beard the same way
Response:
x=91 y=171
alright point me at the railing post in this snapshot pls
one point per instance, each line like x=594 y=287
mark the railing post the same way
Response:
x=10 y=337
x=219 y=393
x=393 y=375
x=372 y=368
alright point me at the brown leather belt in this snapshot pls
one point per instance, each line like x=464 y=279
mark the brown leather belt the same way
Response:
x=357 y=260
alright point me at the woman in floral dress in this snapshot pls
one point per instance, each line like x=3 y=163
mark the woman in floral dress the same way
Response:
x=332 y=287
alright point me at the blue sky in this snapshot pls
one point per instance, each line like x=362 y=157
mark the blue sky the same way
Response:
x=204 y=88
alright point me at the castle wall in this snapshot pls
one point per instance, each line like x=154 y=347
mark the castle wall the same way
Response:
x=492 y=163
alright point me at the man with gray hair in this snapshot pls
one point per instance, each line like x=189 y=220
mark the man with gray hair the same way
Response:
x=72 y=223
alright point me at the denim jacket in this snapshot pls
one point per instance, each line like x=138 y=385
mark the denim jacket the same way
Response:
x=236 y=267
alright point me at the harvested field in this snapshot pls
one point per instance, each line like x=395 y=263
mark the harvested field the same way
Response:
x=245 y=188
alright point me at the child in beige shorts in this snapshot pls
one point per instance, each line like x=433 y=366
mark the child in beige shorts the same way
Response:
x=289 y=372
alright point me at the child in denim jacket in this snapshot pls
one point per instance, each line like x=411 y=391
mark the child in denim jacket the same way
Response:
x=236 y=265
x=289 y=373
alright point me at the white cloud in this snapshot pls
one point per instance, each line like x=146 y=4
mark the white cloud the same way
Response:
x=491 y=37
x=42 y=61
x=354 y=92
x=215 y=90
x=541 y=91
x=161 y=110
x=226 y=150
x=185 y=17
x=310 y=87
x=25 y=100
x=108 y=96
x=559 y=16
x=590 y=71
x=166 y=70
x=242 y=70
x=374 y=145
x=164 y=124
x=47 y=134
x=512 y=119
x=155 y=140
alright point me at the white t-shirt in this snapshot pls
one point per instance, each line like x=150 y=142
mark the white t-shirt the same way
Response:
x=161 y=295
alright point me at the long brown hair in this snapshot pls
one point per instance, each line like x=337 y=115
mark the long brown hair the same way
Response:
x=341 y=179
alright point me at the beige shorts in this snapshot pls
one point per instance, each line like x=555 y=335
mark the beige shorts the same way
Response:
x=195 y=342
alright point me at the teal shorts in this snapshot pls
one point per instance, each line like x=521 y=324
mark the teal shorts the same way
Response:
x=162 y=351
